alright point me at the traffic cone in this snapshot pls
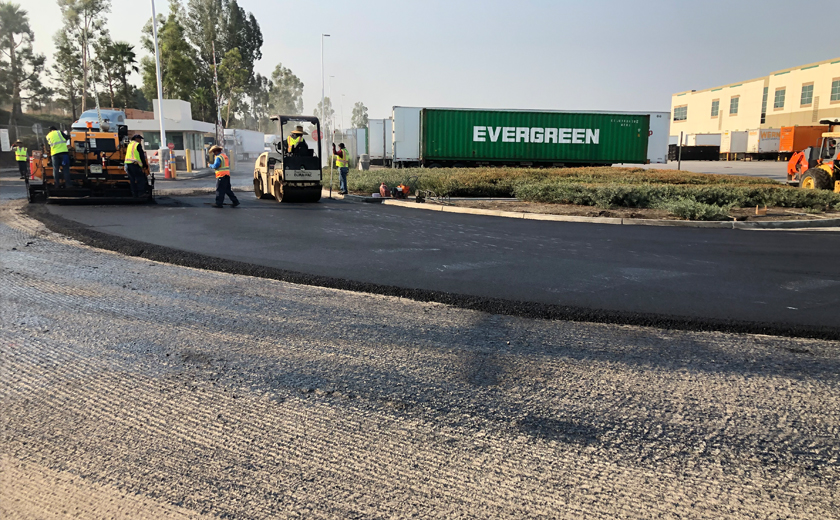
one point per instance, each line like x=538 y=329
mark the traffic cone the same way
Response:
x=166 y=174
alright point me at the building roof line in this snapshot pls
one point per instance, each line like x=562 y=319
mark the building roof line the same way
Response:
x=762 y=78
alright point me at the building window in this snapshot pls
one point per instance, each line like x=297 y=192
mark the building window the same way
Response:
x=764 y=105
x=733 y=105
x=835 y=90
x=807 y=95
x=715 y=107
x=779 y=100
x=681 y=113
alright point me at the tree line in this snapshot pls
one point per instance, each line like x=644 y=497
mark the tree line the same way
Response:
x=202 y=43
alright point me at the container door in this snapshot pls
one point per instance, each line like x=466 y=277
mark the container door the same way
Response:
x=752 y=141
x=658 y=141
x=406 y=134
x=739 y=142
x=389 y=138
x=377 y=141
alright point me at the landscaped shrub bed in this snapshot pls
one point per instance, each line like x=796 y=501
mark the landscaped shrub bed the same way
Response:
x=694 y=196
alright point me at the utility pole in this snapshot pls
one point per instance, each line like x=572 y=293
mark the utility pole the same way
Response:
x=163 y=152
x=332 y=116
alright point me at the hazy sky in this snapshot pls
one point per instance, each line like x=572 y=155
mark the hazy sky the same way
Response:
x=575 y=55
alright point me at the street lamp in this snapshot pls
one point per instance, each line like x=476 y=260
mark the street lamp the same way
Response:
x=322 y=104
x=163 y=148
x=332 y=116
x=322 y=76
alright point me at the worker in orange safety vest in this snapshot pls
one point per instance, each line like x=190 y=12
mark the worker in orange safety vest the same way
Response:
x=222 y=166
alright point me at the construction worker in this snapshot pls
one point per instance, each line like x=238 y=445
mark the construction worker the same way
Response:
x=295 y=143
x=342 y=162
x=222 y=167
x=59 y=155
x=135 y=163
x=21 y=157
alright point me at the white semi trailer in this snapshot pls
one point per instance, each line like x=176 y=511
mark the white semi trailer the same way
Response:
x=380 y=139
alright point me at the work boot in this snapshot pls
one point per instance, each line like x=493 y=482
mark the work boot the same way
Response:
x=218 y=206
x=235 y=204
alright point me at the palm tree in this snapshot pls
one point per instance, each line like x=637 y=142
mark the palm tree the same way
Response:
x=125 y=60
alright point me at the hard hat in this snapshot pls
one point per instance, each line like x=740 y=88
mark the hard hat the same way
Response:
x=215 y=148
x=135 y=136
x=341 y=145
x=299 y=130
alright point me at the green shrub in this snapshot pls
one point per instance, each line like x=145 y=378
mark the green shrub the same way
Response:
x=689 y=193
x=690 y=209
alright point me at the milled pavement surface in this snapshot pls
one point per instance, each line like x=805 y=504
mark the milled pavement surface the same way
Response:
x=137 y=389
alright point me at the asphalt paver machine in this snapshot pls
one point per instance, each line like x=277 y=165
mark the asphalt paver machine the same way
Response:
x=97 y=157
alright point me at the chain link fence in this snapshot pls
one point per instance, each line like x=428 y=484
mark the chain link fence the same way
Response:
x=33 y=137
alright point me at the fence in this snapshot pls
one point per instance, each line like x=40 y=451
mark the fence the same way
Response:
x=28 y=136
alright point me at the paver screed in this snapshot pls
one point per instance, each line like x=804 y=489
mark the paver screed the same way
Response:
x=136 y=389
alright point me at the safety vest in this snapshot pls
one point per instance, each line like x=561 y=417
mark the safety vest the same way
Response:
x=293 y=141
x=20 y=154
x=224 y=169
x=342 y=162
x=132 y=154
x=58 y=144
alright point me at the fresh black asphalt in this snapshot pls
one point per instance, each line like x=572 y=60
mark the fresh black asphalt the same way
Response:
x=778 y=282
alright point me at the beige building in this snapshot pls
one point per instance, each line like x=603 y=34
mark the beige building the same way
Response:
x=798 y=96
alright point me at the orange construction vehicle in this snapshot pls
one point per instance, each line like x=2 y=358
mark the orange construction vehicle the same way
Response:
x=97 y=154
x=818 y=168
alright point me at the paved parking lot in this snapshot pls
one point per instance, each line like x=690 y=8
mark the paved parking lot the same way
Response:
x=770 y=169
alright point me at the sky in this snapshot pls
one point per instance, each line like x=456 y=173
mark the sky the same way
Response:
x=548 y=55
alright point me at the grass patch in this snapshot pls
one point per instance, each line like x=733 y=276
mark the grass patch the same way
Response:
x=688 y=195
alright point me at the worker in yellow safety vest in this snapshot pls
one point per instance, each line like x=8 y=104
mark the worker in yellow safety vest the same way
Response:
x=295 y=144
x=222 y=166
x=342 y=162
x=59 y=155
x=135 y=166
x=21 y=158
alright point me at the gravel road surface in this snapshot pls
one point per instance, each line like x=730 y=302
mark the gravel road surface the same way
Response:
x=136 y=389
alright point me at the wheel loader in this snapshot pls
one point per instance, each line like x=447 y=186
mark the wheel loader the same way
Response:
x=818 y=167
x=291 y=175
x=97 y=156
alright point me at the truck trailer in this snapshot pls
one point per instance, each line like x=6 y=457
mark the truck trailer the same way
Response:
x=437 y=137
x=246 y=145
x=380 y=136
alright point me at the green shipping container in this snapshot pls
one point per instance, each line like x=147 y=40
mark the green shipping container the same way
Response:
x=515 y=137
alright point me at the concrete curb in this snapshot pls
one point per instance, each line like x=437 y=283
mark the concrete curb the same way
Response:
x=776 y=224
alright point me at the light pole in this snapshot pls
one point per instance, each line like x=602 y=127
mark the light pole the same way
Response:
x=332 y=116
x=163 y=149
x=322 y=105
x=342 y=112
x=322 y=79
